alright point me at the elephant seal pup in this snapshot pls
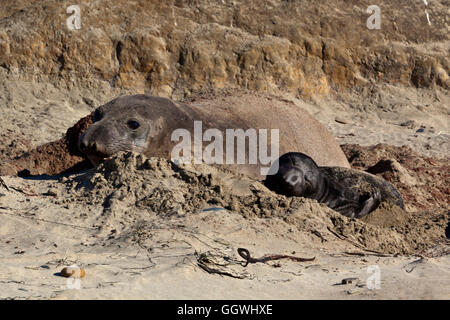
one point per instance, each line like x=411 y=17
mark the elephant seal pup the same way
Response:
x=351 y=192
x=146 y=124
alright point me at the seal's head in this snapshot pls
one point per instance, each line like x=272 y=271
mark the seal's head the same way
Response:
x=128 y=123
x=297 y=175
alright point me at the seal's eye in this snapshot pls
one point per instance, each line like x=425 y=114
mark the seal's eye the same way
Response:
x=97 y=116
x=133 y=124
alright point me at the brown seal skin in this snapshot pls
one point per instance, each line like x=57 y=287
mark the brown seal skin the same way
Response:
x=351 y=192
x=144 y=124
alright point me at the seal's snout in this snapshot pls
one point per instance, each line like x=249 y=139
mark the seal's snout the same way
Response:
x=91 y=149
x=292 y=177
x=87 y=146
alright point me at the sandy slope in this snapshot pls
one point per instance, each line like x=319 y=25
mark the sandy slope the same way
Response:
x=127 y=224
x=165 y=266
x=45 y=225
x=142 y=232
x=170 y=270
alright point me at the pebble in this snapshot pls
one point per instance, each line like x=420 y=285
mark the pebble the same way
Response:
x=349 y=280
x=73 y=272
x=340 y=120
x=410 y=124
x=51 y=192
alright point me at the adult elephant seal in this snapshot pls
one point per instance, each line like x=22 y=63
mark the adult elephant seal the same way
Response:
x=146 y=124
x=351 y=192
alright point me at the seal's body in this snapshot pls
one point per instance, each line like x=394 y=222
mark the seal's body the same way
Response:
x=351 y=192
x=145 y=124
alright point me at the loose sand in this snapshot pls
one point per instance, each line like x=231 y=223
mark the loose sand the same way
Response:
x=149 y=229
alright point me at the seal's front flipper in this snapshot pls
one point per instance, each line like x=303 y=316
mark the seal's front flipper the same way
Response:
x=370 y=204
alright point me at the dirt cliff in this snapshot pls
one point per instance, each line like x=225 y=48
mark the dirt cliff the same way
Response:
x=176 y=48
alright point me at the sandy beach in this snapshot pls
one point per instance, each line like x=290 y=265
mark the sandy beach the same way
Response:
x=146 y=228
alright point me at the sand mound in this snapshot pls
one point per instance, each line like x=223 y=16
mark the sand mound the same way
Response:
x=51 y=158
x=422 y=180
x=131 y=189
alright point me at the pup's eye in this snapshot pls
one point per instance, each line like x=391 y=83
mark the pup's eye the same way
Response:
x=97 y=116
x=133 y=124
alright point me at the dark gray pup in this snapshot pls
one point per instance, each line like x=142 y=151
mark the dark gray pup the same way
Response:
x=351 y=192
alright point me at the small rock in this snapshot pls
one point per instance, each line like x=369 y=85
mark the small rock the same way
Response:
x=51 y=192
x=73 y=272
x=89 y=101
x=341 y=120
x=350 y=291
x=349 y=280
x=180 y=212
x=410 y=124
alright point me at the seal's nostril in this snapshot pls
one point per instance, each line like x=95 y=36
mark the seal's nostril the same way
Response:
x=82 y=146
x=87 y=146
